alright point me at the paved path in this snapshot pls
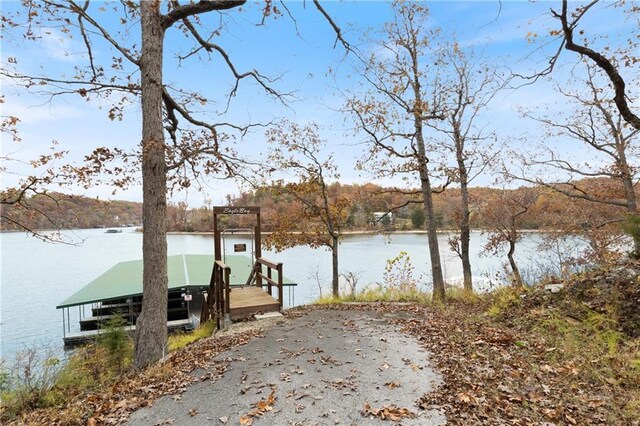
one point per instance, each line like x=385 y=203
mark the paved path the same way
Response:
x=322 y=368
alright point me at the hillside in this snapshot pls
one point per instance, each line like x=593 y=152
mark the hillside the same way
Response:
x=61 y=211
x=548 y=209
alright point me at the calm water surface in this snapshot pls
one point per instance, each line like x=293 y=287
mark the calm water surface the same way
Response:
x=36 y=276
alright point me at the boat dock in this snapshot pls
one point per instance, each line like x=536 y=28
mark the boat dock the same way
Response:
x=118 y=292
x=221 y=287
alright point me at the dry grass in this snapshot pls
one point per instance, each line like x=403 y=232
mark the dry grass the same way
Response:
x=182 y=339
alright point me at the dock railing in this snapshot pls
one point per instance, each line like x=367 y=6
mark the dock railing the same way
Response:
x=217 y=303
x=218 y=300
x=257 y=276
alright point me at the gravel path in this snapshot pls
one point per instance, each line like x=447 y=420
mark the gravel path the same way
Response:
x=321 y=368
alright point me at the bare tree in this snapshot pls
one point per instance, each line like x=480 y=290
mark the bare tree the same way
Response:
x=610 y=59
x=469 y=85
x=318 y=211
x=504 y=218
x=596 y=124
x=16 y=209
x=135 y=69
x=393 y=115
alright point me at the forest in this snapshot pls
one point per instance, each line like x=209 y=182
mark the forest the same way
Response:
x=547 y=210
x=56 y=211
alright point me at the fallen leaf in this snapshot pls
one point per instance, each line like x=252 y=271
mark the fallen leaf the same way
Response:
x=246 y=420
x=547 y=369
x=387 y=412
x=463 y=397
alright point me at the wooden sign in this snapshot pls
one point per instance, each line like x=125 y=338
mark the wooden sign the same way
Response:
x=239 y=248
x=237 y=210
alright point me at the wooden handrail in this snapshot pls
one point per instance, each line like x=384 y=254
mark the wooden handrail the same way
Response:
x=269 y=279
x=218 y=302
x=218 y=298
x=252 y=275
x=227 y=290
x=267 y=263
x=222 y=265
x=257 y=275
x=280 y=286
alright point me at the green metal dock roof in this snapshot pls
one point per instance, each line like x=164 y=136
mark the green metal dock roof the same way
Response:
x=184 y=271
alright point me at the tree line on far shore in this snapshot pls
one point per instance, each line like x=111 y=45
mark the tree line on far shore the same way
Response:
x=368 y=207
x=55 y=211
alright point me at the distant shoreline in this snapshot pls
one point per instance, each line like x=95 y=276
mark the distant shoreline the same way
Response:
x=361 y=232
x=369 y=232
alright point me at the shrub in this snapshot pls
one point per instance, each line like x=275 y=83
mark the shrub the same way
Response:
x=27 y=383
x=115 y=340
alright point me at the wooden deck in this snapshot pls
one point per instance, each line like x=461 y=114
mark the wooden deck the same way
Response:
x=249 y=300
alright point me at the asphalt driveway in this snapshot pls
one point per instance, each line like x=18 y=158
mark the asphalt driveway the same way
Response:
x=325 y=367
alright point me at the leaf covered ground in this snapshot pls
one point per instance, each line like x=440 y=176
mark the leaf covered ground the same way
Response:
x=535 y=357
x=515 y=357
x=136 y=390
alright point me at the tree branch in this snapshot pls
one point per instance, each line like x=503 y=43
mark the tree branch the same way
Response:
x=181 y=12
x=605 y=64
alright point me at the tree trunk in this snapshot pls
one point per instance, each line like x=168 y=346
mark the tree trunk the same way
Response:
x=465 y=232
x=517 y=278
x=432 y=236
x=630 y=193
x=151 y=327
x=425 y=182
x=334 y=264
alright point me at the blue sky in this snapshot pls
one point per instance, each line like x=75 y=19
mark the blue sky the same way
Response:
x=497 y=31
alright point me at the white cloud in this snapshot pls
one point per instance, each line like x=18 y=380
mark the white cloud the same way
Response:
x=32 y=113
x=59 y=46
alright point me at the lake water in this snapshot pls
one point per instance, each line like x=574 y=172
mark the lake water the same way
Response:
x=36 y=276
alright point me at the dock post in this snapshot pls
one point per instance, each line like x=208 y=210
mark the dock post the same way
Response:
x=280 y=288
x=258 y=249
x=227 y=297
x=227 y=321
x=227 y=291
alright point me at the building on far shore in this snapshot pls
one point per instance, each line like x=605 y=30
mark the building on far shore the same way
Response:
x=383 y=219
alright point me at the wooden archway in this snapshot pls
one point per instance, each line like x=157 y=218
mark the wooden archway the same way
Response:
x=217 y=239
x=218 y=304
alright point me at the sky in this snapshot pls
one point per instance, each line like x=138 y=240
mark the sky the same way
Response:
x=299 y=52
